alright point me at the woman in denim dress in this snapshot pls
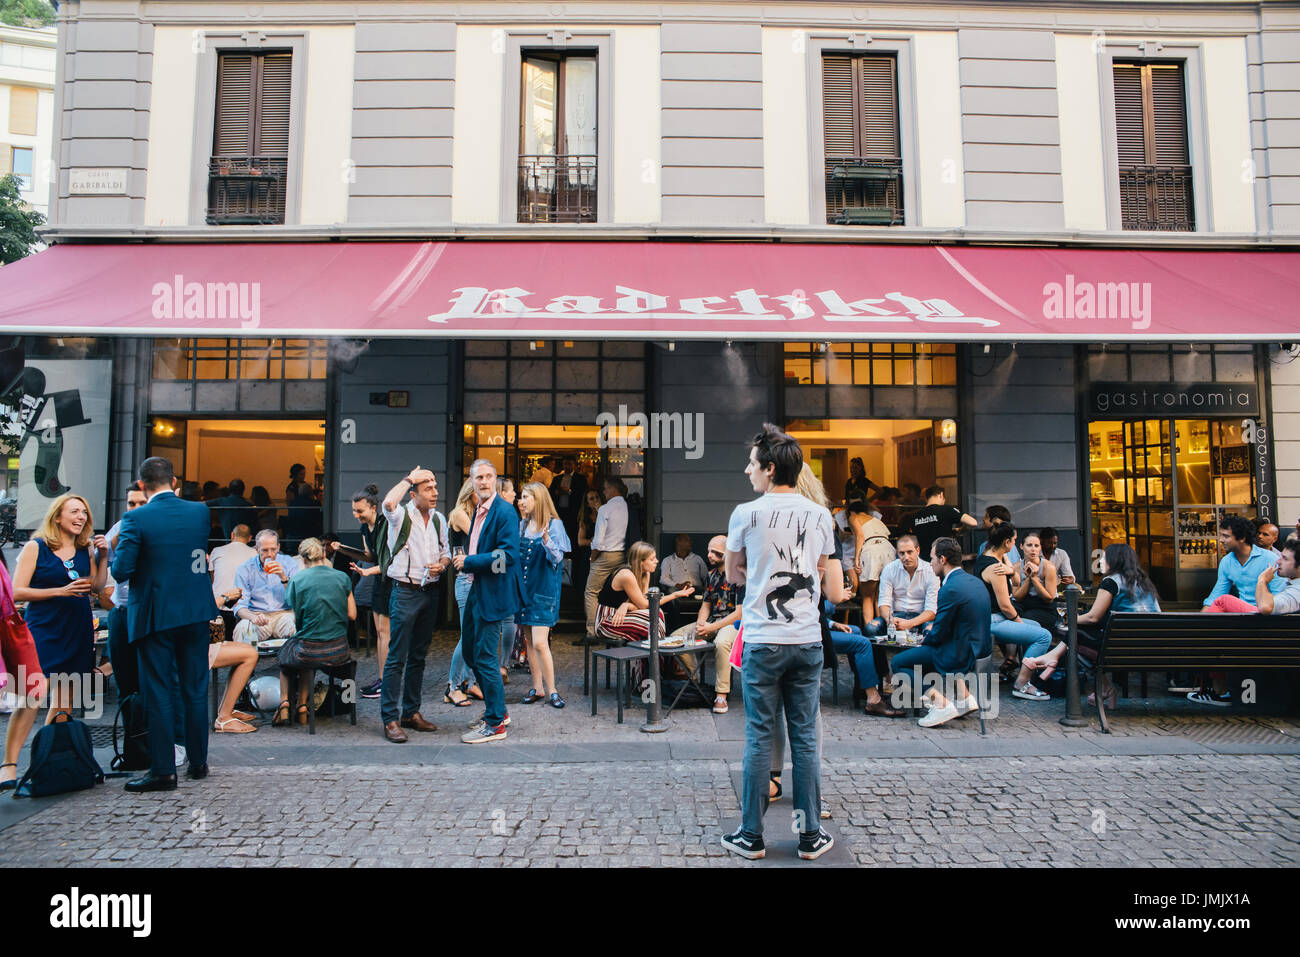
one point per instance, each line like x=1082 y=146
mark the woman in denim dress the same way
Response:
x=542 y=546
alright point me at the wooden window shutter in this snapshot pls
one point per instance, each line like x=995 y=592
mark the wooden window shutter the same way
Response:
x=839 y=122
x=22 y=110
x=1130 y=131
x=233 y=135
x=879 y=98
x=273 y=118
x=1169 y=114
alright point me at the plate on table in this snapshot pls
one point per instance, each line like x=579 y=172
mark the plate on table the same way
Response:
x=271 y=644
x=665 y=643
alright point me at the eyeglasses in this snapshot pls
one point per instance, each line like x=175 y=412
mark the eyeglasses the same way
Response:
x=73 y=574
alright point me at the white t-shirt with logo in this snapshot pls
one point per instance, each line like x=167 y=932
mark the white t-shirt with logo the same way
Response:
x=782 y=535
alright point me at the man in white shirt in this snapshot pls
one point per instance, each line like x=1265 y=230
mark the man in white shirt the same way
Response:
x=777 y=547
x=1049 y=539
x=683 y=567
x=225 y=559
x=909 y=592
x=417 y=541
x=1266 y=534
x=608 y=544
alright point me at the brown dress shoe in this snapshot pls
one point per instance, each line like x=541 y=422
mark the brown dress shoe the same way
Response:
x=883 y=709
x=417 y=723
x=394 y=733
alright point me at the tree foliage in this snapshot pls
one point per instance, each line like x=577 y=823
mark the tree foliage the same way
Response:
x=18 y=223
x=26 y=13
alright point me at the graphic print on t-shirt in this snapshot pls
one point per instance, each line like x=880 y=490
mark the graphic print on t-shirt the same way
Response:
x=784 y=586
x=783 y=536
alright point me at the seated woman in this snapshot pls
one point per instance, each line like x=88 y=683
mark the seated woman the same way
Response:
x=241 y=658
x=1126 y=587
x=1037 y=589
x=1007 y=623
x=322 y=604
x=622 y=612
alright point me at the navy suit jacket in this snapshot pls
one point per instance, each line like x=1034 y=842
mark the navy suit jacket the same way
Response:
x=497 y=594
x=162 y=553
x=961 y=625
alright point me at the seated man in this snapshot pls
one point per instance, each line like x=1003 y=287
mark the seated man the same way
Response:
x=1287 y=601
x=909 y=592
x=1266 y=534
x=959 y=638
x=683 y=567
x=849 y=640
x=719 y=615
x=224 y=561
x=1242 y=564
x=262 y=609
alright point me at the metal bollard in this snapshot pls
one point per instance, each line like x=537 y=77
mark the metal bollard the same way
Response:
x=653 y=722
x=1073 y=710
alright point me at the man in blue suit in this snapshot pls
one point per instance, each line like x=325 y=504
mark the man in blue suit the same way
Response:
x=162 y=553
x=495 y=595
x=959 y=637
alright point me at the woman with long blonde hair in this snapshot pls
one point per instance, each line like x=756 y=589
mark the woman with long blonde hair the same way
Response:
x=460 y=680
x=543 y=543
x=623 y=610
x=63 y=565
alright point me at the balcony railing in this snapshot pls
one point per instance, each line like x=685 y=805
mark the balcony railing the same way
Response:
x=557 y=188
x=1156 y=197
x=864 y=190
x=246 y=189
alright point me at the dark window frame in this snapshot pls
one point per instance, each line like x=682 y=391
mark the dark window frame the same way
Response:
x=863 y=186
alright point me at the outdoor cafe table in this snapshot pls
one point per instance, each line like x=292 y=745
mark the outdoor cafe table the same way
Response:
x=694 y=675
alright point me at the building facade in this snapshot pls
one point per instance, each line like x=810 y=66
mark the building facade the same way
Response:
x=27 y=60
x=559 y=132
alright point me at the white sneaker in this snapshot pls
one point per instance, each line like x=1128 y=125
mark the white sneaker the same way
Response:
x=8 y=702
x=180 y=754
x=967 y=705
x=937 y=716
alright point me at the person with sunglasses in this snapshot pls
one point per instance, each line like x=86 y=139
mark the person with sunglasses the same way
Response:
x=58 y=571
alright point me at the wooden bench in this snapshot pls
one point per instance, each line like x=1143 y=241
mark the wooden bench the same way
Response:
x=1183 y=641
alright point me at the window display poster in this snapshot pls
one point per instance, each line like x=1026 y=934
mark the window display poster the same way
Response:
x=63 y=437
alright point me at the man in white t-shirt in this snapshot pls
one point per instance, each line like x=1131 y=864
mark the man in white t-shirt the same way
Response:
x=225 y=559
x=777 y=547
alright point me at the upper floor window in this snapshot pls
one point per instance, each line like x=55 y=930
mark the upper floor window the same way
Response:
x=864 y=165
x=1155 y=173
x=250 y=138
x=22 y=110
x=557 y=139
x=21 y=165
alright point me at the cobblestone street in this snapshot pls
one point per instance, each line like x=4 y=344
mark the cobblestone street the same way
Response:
x=1172 y=786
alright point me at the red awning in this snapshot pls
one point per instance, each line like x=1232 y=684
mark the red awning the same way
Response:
x=647 y=289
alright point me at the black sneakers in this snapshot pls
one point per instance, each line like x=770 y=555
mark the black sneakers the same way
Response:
x=737 y=843
x=813 y=845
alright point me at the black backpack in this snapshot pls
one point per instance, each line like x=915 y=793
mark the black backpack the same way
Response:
x=134 y=754
x=63 y=760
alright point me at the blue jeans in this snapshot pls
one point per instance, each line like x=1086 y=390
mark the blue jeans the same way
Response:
x=789 y=675
x=413 y=615
x=1030 y=635
x=460 y=672
x=864 y=656
x=480 y=640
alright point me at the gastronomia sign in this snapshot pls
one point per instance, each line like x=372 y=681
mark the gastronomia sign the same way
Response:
x=1172 y=398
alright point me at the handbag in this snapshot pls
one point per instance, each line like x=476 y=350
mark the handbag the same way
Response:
x=566 y=572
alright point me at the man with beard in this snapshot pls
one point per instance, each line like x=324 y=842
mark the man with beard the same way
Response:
x=717 y=620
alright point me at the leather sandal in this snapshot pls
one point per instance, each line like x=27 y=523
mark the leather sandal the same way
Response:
x=232 y=725
x=456 y=696
x=474 y=691
x=281 y=717
x=11 y=784
x=302 y=714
